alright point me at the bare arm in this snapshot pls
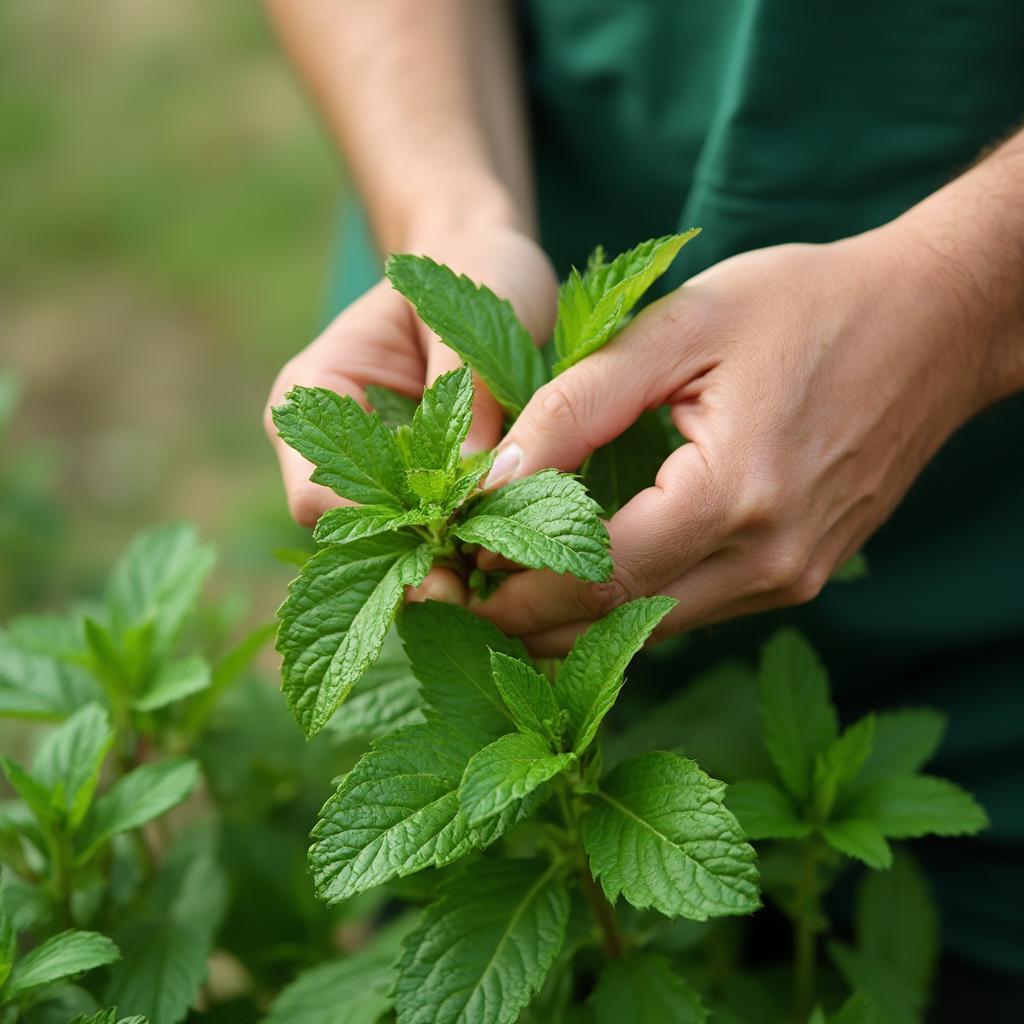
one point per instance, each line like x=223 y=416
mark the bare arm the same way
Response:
x=424 y=100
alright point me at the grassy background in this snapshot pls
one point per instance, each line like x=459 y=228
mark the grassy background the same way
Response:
x=166 y=204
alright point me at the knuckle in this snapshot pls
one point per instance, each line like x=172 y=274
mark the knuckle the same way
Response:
x=564 y=405
x=758 y=504
x=783 y=566
x=598 y=599
x=807 y=586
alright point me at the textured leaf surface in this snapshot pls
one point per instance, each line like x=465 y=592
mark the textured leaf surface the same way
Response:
x=387 y=698
x=336 y=616
x=158 y=580
x=660 y=834
x=643 y=989
x=798 y=720
x=108 y=1016
x=592 y=674
x=355 y=454
x=505 y=771
x=163 y=968
x=449 y=649
x=61 y=956
x=542 y=521
x=859 y=839
x=527 y=695
x=908 y=806
x=143 y=794
x=354 y=522
x=442 y=421
x=397 y=812
x=472 y=320
x=69 y=759
x=764 y=811
x=591 y=306
x=904 y=742
x=483 y=950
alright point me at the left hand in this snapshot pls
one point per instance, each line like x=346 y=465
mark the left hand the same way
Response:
x=813 y=381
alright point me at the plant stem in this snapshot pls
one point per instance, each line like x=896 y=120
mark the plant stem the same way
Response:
x=603 y=913
x=612 y=937
x=807 y=912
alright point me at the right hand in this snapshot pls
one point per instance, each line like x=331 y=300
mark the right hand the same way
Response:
x=380 y=340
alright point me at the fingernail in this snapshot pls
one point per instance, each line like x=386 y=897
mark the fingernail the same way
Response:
x=505 y=464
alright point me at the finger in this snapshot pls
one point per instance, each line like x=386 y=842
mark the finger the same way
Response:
x=655 y=538
x=439 y=585
x=490 y=561
x=594 y=401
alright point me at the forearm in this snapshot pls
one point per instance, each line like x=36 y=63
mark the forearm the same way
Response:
x=972 y=232
x=424 y=101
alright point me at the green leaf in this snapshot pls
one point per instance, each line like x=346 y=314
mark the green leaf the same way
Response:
x=354 y=453
x=63 y=955
x=335 y=618
x=897 y=923
x=621 y=469
x=36 y=685
x=544 y=521
x=163 y=968
x=387 y=698
x=660 y=834
x=397 y=812
x=483 y=950
x=174 y=681
x=354 y=522
x=853 y=569
x=592 y=675
x=506 y=771
x=69 y=759
x=643 y=989
x=450 y=650
x=909 y=806
x=840 y=763
x=108 y=1016
x=904 y=742
x=8 y=934
x=858 y=1009
x=429 y=485
x=158 y=581
x=442 y=422
x=395 y=410
x=764 y=811
x=798 y=720
x=359 y=984
x=591 y=307
x=887 y=994
x=143 y=794
x=33 y=794
x=472 y=320
x=859 y=839
x=528 y=696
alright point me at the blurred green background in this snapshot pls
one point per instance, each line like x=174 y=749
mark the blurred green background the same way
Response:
x=166 y=205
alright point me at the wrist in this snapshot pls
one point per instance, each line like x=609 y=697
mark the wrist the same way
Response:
x=454 y=208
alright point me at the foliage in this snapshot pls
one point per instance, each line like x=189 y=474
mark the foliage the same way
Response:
x=499 y=842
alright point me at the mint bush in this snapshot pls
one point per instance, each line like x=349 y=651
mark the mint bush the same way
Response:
x=504 y=841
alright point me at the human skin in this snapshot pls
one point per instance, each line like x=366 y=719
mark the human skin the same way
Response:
x=814 y=382
x=424 y=101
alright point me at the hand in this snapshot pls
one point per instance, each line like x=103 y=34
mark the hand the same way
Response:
x=379 y=340
x=813 y=382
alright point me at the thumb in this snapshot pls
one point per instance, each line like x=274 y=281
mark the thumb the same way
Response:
x=583 y=408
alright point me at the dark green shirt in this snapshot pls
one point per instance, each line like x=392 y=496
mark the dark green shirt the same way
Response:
x=786 y=120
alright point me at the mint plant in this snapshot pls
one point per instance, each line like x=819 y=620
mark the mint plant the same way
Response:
x=499 y=781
